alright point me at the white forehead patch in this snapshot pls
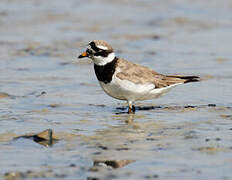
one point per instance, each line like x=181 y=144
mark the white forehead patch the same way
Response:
x=102 y=47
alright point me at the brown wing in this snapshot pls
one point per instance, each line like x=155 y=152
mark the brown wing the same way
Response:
x=140 y=75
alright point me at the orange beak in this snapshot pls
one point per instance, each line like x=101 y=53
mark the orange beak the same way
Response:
x=84 y=54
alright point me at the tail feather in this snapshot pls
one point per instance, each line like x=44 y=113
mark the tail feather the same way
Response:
x=187 y=78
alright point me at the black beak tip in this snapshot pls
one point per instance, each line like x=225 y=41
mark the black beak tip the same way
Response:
x=79 y=57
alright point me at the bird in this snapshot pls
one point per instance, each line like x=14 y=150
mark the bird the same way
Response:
x=128 y=81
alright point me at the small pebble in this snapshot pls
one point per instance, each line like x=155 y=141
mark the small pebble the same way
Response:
x=212 y=105
x=96 y=153
x=103 y=147
x=94 y=169
x=43 y=92
x=151 y=139
x=72 y=165
x=152 y=176
x=60 y=175
x=122 y=149
x=155 y=37
x=92 y=178
x=29 y=171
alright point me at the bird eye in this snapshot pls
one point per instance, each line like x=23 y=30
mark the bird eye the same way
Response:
x=101 y=53
x=89 y=51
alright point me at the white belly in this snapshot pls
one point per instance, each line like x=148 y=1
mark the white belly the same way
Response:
x=126 y=90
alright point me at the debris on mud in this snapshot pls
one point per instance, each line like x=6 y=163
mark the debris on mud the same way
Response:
x=44 y=138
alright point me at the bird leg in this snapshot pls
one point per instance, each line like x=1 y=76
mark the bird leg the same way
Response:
x=131 y=108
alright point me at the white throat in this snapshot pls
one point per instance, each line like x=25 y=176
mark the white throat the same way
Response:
x=101 y=61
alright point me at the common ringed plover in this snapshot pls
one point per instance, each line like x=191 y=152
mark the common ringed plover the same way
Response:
x=128 y=81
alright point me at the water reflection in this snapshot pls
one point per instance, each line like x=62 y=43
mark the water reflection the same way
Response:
x=122 y=110
x=120 y=145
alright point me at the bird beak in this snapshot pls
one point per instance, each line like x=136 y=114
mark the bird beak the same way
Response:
x=84 y=54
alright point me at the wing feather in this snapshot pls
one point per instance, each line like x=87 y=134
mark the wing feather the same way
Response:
x=139 y=74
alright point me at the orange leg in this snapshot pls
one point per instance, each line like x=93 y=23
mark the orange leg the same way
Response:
x=131 y=108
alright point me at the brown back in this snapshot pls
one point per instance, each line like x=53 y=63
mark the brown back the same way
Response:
x=140 y=75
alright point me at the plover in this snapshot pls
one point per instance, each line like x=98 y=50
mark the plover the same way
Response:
x=124 y=80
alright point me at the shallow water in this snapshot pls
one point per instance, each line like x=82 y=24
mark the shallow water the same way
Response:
x=43 y=86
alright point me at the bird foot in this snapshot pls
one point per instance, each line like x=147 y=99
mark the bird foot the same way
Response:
x=131 y=110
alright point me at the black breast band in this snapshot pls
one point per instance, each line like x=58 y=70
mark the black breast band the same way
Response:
x=104 y=73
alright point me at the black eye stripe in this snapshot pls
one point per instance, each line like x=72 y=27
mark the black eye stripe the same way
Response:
x=102 y=53
x=94 y=47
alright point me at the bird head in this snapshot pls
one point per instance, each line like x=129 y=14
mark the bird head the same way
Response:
x=99 y=51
